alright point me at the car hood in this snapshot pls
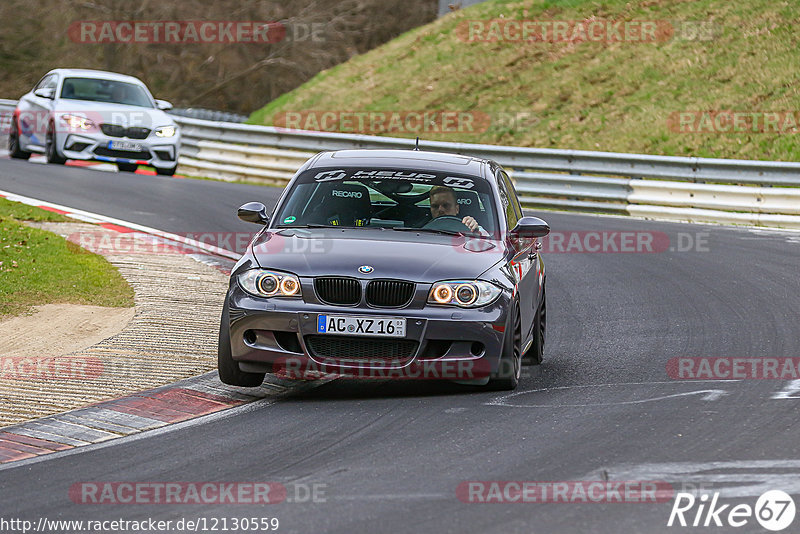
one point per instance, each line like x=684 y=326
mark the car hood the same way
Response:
x=401 y=255
x=102 y=112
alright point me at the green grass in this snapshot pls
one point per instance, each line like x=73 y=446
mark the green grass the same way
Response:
x=38 y=267
x=592 y=96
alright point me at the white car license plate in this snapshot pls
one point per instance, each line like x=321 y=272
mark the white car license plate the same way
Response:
x=361 y=326
x=125 y=145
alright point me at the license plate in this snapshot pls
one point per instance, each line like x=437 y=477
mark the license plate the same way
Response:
x=125 y=145
x=349 y=325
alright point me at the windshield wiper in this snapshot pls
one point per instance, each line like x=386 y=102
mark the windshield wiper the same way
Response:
x=428 y=230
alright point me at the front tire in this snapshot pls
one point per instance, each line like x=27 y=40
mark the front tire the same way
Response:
x=14 y=148
x=50 y=148
x=127 y=167
x=166 y=172
x=535 y=353
x=510 y=368
x=229 y=372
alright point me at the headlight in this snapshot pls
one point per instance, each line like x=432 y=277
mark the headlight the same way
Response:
x=262 y=283
x=76 y=122
x=166 y=131
x=463 y=293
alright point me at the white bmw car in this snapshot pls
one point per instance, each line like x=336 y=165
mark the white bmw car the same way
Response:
x=95 y=115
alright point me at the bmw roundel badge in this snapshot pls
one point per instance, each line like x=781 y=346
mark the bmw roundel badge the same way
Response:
x=366 y=269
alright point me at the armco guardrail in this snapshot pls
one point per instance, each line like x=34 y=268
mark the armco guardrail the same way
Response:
x=664 y=187
x=6 y=110
x=760 y=193
x=208 y=114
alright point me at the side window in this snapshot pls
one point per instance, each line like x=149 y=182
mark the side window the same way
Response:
x=506 y=203
x=43 y=82
x=512 y=194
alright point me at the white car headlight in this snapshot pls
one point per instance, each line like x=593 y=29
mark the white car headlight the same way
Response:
x=166 y=131
x=262 y=283
x=76 y=122
x=463 y=293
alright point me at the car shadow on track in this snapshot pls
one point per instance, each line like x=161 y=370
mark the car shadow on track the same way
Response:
x=353 y=389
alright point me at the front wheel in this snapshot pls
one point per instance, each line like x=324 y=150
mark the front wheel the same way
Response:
x=229 y=372
x=127 y=167
x=166 y=172
x=535 y=353
x=50 y=148
x=510 y=369
x=14 y=148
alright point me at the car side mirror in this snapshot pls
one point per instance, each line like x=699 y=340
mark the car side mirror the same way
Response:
x=163 y=105
x=254 y=212
x=45 y=92
x=530 y=227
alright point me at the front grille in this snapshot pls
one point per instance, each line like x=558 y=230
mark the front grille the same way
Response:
x=134 y=132
x=338 y=290
x=103 y=151
x=389 y=293
x=113 y=130
x=360 y=348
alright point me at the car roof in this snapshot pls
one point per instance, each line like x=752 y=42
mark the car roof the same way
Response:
x=102 y=74
x=419 y=159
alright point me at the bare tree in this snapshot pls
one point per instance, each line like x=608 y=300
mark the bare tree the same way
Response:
x=35 y=37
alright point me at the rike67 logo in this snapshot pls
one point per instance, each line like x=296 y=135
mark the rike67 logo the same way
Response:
x=774 y=510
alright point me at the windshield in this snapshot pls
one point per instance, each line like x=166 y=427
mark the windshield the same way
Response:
x=389 y=198
x=110 y=91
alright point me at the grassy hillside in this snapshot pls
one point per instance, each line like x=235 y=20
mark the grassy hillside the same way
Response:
x=620 y=96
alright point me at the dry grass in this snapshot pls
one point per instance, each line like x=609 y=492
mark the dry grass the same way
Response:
x=592 y=96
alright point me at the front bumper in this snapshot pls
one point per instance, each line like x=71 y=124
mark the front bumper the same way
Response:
x=160 y=152
x=280 y=335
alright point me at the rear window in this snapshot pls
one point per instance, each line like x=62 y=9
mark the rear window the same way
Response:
x=385 y=198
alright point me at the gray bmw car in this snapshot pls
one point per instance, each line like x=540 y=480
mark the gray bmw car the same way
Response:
x=395 y=264
x=95 y=115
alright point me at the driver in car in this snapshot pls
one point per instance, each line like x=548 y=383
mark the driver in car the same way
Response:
x=444 y=203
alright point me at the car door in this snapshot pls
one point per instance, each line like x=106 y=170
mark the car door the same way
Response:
x=524 y=263
x=35 y=112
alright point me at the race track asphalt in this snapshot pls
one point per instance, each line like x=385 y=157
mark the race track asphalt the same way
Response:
x=389 y=456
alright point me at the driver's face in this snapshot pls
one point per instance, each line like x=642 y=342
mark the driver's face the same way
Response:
x=443 y=204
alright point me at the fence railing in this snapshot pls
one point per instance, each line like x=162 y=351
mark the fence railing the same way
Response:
x=6 y=109
x=727 y=191
x=666 y=187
